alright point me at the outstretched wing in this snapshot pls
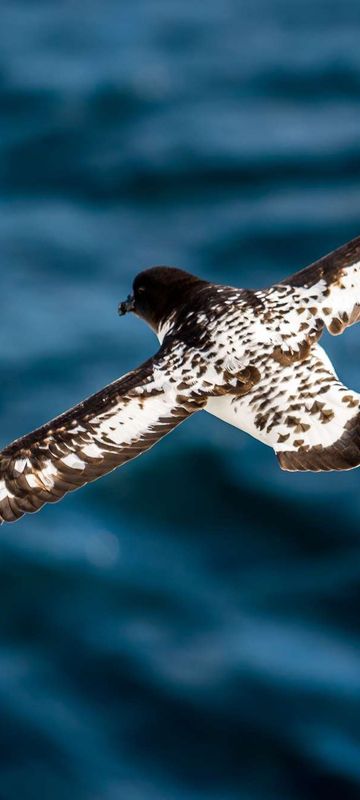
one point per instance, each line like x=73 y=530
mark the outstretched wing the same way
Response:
x=303 y=411
x=331 y=287
x=106 y=430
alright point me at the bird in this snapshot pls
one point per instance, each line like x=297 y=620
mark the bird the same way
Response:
x=250 y=357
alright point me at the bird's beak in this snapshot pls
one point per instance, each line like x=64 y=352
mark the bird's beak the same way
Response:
x=127 y=305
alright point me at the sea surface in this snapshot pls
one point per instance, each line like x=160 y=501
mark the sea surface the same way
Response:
x=188 y=628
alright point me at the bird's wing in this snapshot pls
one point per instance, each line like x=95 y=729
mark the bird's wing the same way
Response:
x=330 y=288
x=106 y=430
x=303 y=411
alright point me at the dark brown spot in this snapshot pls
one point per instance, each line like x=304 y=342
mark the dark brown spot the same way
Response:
x=283 y=437
x=326 y=415
x=316 y=407
x=351 y=402
x=291 y=421
x=336 y=326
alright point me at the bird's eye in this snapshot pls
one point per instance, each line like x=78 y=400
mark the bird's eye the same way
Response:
x=141 y=289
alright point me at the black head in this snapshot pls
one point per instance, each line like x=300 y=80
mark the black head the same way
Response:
x=157 y=292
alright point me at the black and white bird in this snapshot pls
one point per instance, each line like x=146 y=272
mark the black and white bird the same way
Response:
x=251 y=358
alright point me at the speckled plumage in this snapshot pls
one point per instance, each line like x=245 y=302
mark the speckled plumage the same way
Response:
x=251 y=358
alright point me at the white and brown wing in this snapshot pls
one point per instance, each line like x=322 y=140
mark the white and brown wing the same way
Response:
x=303 y=411
x=330 y=288
x=106 y=430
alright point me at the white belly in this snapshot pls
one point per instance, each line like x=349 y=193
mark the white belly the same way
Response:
x=236 y=413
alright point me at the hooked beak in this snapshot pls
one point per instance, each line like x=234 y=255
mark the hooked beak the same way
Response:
x=127 y=305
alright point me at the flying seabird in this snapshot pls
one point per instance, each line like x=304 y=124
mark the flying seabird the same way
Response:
x=251 y=358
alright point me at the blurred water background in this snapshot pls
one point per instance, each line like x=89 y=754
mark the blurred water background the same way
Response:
x=188 y=627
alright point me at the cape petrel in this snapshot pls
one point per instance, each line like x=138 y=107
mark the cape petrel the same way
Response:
x=251 y=358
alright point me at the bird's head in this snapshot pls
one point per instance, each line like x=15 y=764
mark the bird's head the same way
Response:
x=159 y=291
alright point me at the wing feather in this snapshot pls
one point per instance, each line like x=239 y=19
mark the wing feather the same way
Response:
x=304 y=412
x=331 y=286
x=108 y=429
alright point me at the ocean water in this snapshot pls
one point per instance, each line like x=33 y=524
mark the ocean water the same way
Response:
x=187 y=627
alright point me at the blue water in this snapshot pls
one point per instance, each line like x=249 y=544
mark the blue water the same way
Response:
x=188 y=627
